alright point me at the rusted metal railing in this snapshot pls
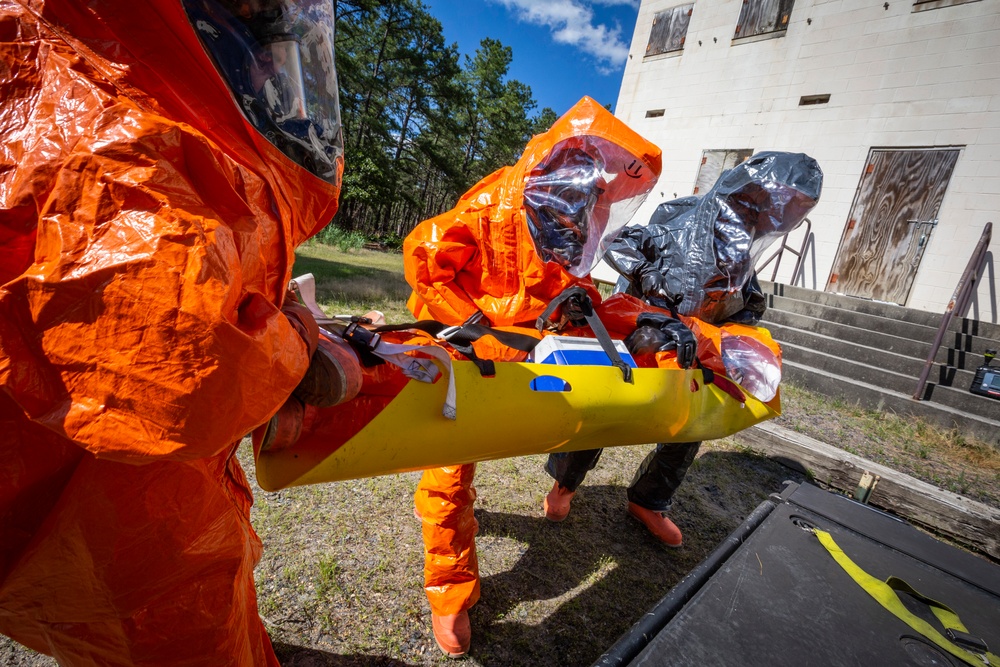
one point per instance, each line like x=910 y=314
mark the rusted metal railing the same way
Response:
x=777 y=254
x=959 y=302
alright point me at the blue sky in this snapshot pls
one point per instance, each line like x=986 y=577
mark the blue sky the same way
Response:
x=563 y=49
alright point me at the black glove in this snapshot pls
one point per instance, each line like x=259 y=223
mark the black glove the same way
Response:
x=646 y=340
x=677 y=335
x=572 y=306
x=652 y=282
x=653 y=286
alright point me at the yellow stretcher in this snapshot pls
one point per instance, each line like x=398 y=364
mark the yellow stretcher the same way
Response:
x=510 y=415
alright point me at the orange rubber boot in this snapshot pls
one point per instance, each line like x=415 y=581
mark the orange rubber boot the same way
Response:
x=658 y=524
x=557 y=503
x=453 y=633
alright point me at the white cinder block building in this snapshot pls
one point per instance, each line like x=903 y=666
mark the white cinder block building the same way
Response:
x=899 y=101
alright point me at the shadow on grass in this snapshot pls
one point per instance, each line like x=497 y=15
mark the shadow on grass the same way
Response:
x=290 y=655
x=600 y=570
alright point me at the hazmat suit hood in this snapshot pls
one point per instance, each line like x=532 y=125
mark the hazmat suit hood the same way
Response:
x=526 y=232
x=171 y=186
x=705 y=247
x=154 y=57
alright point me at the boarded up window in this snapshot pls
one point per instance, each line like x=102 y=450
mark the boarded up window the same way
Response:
x=762 y=17
x=669 y=30
x=714 y=162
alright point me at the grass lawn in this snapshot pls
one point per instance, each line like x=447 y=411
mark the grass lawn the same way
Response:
x=356 y=281
x=340 y=582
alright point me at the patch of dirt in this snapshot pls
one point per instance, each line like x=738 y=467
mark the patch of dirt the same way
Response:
x=340 y=581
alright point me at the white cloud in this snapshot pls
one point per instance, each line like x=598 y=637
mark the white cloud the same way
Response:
x=572 y=22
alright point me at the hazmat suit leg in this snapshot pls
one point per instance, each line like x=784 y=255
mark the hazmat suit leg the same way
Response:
x=655 y=481
x=110 y=564
x=570 y=468
x=444 y=500
x=660 y=474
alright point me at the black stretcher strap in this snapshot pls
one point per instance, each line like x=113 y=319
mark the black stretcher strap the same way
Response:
x=463 y=336
x=577 y=308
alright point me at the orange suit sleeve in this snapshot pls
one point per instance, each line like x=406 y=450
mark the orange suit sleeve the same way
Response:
x=441 y=256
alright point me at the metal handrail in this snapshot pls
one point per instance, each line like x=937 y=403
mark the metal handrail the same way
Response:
x=779 y=253
x=959 y=302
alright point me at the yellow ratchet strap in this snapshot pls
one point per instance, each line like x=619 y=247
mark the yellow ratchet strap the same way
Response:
x=885 y=593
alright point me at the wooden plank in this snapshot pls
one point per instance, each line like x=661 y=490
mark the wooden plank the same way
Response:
x=970 y=523
x=679 y=27
x=714 y=162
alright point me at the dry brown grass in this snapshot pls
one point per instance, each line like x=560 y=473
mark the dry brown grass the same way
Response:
x=341 y=579
x=939 y=456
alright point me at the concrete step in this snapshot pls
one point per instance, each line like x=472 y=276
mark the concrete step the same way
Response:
x=911 y=367
x=852 y=318
x=959 y=398
x=942 y=373
x=881 y=309
x=962 y=399
x=781 y=307
x=954 y=338
x=845 y=349
x=948 y=376
x=918 y=332
x=878 y=398
x=872 y=353
x=968 y=354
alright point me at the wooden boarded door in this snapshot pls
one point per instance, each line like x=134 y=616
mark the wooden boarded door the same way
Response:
x=894 y=214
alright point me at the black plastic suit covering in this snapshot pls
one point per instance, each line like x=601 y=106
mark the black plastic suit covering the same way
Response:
x=701 y=250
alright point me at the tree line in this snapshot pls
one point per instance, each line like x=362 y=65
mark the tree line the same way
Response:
x=421 y=124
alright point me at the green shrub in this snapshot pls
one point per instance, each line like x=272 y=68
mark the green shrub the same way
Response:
x=344 y=240
x=392 y=241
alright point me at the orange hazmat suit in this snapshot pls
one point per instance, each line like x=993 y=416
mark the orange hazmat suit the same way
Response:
x=147 y=231
x=502 y=251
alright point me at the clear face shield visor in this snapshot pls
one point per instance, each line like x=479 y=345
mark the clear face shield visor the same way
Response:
x=579 y=197
x=277 y=58
x=277 y=76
